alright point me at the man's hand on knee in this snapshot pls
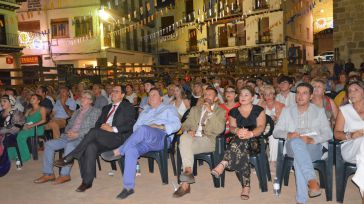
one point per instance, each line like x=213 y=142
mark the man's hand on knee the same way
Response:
x=307 y=139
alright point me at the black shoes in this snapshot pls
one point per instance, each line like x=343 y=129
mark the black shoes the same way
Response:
x=109 y=156
x=125 y=193
x=83 y=187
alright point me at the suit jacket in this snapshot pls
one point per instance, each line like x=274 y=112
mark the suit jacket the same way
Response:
x=215 y=123
x=88 y=122
x=124 y=118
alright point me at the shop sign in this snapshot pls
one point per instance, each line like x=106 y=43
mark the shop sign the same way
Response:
x=29 y=60
x=9 y=60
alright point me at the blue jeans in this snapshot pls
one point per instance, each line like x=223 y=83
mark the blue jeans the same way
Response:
x=143 y=140
x=54 y=145
x=303 y=155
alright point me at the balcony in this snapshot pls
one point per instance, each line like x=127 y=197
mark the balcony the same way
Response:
x=260 y=5
x=9 y=43
x=11 y=5
x=191 y=47
x=264 y=39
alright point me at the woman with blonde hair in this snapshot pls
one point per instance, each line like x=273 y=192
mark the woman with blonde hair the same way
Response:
x=321 y=100
x=273 y=108
x=180 y=100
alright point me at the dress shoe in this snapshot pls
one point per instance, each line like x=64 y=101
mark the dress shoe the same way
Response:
x=109 y=156
x=83 y=187
x=63 y=162
x=187 y=177
x=61 y=179
x=125 y=193
x=44 y=178
x=181 y=192
x=313 y=188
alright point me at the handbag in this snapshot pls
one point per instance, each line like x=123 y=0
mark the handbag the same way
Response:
x=254 y=145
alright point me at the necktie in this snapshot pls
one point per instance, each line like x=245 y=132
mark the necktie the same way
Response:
x=111 y=112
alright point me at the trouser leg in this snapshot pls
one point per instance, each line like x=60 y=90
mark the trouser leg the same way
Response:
x=89 y=162
x=303 y=154
x=189 y=146
x=70 y=145
x=49 y=148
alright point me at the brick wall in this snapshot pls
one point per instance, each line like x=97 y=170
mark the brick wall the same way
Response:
x=349 y=30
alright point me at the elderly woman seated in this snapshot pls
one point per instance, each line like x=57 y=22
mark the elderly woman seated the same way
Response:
x=350 y=128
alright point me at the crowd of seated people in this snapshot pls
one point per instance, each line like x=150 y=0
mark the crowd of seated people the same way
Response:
x=130 y=119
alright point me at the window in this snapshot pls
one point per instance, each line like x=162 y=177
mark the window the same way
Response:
x=60 y=28
x=83 y=26
x=166 y=22
x=143 y=39
x=126 y=7
x=260 y=4
x=128 y=45
x=29 y=26
x=107 y=38
x=308 y=33
x=241 y=34
x=135 y=39
x=263 y=30
x=192 y=35
x=149 y=42
x=223 y=36
x=117 y=38
x=189 y=10
x=2 y=30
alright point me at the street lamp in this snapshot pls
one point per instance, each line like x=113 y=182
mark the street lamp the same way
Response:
x=105 y=16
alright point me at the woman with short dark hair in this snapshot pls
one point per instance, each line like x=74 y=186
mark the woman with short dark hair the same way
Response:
x=246 y=121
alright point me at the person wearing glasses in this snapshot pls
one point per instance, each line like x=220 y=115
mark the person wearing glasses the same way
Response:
x=80 y=123
x=112 y=128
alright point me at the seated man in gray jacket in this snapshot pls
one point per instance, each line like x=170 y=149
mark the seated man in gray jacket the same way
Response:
x=78 y=126
x=307 y=130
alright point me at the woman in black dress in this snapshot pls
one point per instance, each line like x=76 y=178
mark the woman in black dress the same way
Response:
x=246 y=121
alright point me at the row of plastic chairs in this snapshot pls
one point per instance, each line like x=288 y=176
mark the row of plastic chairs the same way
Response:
x=325 y=168
x=259 y=161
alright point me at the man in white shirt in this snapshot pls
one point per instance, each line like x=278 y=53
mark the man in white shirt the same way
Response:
x=285 y=96
x=307 y=130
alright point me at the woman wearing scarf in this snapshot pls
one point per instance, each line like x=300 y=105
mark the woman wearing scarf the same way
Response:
x=11 y=121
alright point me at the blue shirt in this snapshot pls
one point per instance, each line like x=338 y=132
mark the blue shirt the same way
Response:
x=144 y=102
x=59 y=111
x=164 y=114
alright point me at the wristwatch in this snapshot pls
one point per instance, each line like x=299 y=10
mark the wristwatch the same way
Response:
x=163 y=127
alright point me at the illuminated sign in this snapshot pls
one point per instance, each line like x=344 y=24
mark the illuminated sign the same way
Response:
x=30 y=40
x=323 y=23
x=29 y=60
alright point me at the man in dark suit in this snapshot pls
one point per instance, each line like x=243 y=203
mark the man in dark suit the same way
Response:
x=112 y=128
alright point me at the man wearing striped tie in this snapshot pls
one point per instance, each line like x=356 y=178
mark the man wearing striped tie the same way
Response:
x=112 y=128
